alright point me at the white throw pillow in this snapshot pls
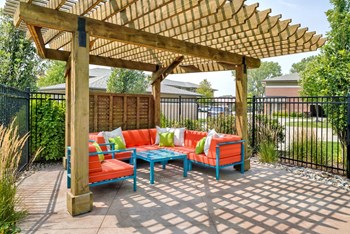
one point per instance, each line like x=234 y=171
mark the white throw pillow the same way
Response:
x=179 y=136
x=112 y=134
x=211 y=134
x=160 y=130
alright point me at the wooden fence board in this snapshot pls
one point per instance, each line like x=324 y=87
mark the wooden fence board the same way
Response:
x=129 y=111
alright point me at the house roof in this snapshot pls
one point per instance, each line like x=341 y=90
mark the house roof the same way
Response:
x=285 y=78
x=98 y=72
x=100 y=83
x=212 y=35
x=180 y=84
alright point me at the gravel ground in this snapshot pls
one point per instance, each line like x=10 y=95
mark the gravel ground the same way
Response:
x=37 y=166
x=312 y=174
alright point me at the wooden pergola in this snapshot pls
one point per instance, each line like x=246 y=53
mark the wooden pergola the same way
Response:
x=163 y=37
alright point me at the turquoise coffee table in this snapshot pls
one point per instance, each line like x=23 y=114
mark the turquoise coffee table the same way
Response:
x=162 y=156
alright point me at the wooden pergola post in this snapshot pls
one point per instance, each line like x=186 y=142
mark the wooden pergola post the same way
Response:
x=68 y=111
x=79 y=198
x=156 y=101
x=241 y=109
x=157 y=77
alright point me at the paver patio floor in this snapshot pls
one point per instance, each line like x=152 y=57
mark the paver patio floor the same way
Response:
x=263 y=200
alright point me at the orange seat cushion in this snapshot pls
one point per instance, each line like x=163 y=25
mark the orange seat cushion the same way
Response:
x=180 y=149
x=111 y=169
x=136 y=137
x=146 y=147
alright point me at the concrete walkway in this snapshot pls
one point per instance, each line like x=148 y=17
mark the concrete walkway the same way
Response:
x=263 y=200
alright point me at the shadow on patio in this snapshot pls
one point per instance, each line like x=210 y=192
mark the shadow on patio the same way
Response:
x=263 y=200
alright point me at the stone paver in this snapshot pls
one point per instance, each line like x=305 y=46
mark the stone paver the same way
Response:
x=263 y=200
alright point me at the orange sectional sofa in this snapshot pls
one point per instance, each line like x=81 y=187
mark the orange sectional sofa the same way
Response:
x=225 y=151
x=108 y=171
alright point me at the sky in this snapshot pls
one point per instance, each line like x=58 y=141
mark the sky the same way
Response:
x=308 y=13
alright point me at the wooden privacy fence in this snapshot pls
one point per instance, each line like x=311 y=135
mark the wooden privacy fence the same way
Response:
x=129 y=111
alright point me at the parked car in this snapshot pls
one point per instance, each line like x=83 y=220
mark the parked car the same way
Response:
x=217 y=110
x=204 y=108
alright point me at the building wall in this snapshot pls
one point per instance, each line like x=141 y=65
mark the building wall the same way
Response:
x=277 y=91
x=288 y=105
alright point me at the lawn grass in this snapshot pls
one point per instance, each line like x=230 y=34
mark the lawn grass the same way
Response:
x=309 y=124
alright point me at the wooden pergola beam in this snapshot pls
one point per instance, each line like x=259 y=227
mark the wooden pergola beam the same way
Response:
x=44 y=17
x=38 y=40
x=103 y=61
x=162 y=73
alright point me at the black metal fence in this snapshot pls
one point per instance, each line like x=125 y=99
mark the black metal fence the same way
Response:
x=14 y=103
x=47 y=124
x=307 y=131
x=199 y=114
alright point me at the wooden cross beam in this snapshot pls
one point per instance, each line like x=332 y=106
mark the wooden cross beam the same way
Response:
x=103 y=61
x=162 y=73
x=48 y=18
x=38 y=40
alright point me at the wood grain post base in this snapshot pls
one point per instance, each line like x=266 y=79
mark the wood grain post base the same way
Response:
x=246 y=165
x=64 y=162
x=79 y=204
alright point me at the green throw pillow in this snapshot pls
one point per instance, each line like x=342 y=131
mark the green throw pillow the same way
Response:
x=118 y=143
x=101 y=157
x=200 y=146
x=166 y=139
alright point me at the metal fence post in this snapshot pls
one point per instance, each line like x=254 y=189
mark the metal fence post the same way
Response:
x=28 y=125
x=253 y=124
x=180 y=104
x=348 y=139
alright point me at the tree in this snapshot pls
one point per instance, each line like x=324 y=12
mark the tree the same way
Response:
x=127 y=81
x=329 y=74
x=19 y=62
x=301 y=66
x=267 y=70
x=54 y=74
x=205 y=89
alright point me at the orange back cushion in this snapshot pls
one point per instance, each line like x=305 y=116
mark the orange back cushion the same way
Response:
x=153 y=135
x=192 y=138
x=94 y=161
x=99 y=140
x=225 y=150
x=137 y=137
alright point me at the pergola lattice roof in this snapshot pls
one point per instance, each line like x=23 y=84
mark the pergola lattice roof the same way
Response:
x=222 y=26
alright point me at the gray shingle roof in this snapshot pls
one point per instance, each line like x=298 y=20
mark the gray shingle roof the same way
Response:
x=180 y=84
x=100 y=83
x=98 y=72
x=287 y=78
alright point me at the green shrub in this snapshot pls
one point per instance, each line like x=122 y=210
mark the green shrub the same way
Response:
x=48 y=129
x=266 y=129
x=11 y=146
x=305 y=147
x=223 y=123
x=267 y=152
